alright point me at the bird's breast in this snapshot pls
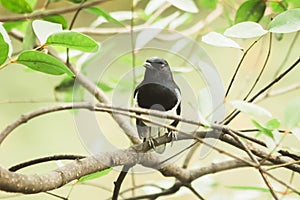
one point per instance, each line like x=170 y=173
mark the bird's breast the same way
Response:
x=158 y=97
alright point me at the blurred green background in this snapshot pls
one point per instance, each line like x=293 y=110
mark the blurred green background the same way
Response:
x=23 y=91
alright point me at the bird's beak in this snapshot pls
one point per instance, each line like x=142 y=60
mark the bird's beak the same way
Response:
x=148 y=65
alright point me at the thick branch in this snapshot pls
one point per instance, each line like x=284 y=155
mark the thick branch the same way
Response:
x=15 y=182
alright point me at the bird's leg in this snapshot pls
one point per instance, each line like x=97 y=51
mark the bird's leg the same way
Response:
x=151 y=141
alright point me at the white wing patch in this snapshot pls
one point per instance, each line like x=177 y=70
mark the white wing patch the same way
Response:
x=135 y=103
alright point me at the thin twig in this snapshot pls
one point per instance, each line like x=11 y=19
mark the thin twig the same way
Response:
x=119 y=181
x=133 y=52
x=283 y=165
x=239 y=65
x=288 y=154
x=291 y=46
x=46 y=4
x=141 y=186
x=192 y=30
x=178 y=153
x=262 y=69
x=36 y=15
x=235 y=74
x=257 y=79
x=264 y=89
x=56 y=195
x=258 y=165
x=190 y=155
x=70 y=28
x=43 y=160
x=165 y=192
x=278 y=92
x=287 y=189
x=194 y=191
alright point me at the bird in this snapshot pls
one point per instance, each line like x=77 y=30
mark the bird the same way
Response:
x=157 y=91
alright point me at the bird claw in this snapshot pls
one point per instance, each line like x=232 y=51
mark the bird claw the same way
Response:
x=173 y=136
x=151 y=143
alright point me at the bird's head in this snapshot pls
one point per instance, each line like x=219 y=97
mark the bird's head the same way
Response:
x=156 y=64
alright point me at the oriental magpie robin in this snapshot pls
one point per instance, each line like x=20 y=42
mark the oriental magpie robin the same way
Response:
x=158 y=91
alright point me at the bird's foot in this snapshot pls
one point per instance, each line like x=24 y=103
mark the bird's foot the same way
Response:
x=153 y=144
x=173 y=136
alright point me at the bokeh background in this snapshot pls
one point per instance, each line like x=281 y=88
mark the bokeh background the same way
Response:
x=23 y=90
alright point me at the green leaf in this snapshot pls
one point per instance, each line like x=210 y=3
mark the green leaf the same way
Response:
x=66 y=85
x=94 y=175
x=250 y=108
x=209 y=4
x=73 y=40
x=219 y=40
x=273 y=124
x=99 y=12
x=4 y=48
x=5 y=51
x=292 y=114
x=105 y=87
x=29 y=37
x=32 y=3
x=279 y=6
x=286 y=22
x=251 y=10
x=261 y=189
x=59 y=19
x=278 y=36
x=11 y=25
x=245 y=30
x=186 y=5
x=17 y=6
x=263 y=129
x=293 y=3
x=42 y=62
x=44 y=29
x=76 y=1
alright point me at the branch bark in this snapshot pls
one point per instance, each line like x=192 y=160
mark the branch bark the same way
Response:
x=21 y=183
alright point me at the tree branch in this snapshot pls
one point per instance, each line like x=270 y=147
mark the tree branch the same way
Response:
x=41 y=14
x=43 y=160
x=264 y=89
x=15 y=182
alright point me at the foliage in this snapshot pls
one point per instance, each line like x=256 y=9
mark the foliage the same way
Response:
x=48 y=41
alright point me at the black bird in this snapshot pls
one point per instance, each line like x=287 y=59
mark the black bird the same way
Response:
x=158 y=91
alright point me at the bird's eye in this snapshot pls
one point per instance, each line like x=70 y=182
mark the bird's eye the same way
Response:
x=162 y=66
